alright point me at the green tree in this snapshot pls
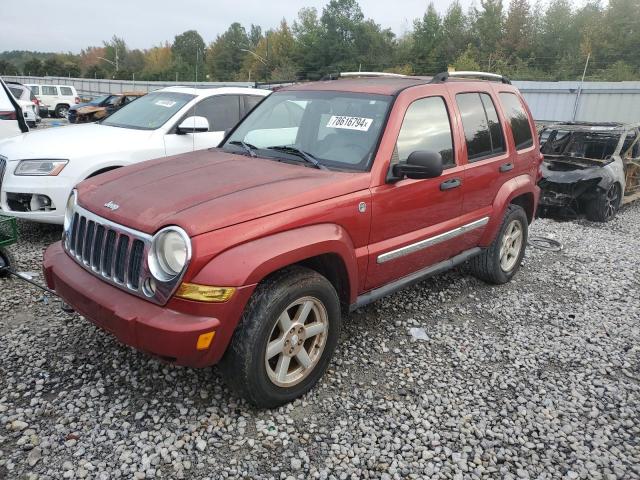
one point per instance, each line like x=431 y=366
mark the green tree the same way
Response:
x=341 y=22
x=455 y=33
x=224 y=57
x=307 y=53
x=33 y=67
x=188 y=50
x=488 y=25
x=517 y=38
x=427 y=39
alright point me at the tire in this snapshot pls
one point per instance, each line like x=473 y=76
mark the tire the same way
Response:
x=605 y=205
x=6 y=261
x=62 y=111
x=245 y=367
x=489 y=265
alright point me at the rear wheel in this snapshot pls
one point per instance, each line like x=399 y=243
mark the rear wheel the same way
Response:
x=499 y=262
x=605 y=205
x=285 y=339
x=62 y=111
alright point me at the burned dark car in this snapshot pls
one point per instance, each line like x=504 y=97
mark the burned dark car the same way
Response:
x=589 y=169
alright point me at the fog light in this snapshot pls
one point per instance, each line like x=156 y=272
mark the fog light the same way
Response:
x=204 y=340
x=204 y=293
x=149 y=287
x=39 y=203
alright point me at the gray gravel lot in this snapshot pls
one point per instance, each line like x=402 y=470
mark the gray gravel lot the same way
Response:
x=539 y=378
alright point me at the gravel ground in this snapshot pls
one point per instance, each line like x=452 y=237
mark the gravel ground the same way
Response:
x=535 y=379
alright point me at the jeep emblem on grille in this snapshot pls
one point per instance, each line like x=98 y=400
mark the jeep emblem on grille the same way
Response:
x=112 y=206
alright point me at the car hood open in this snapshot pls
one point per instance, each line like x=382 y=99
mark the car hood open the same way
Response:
x=71 y=141
x=208 y=190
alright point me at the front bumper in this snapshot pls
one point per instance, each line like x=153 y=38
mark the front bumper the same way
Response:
x=56 y=188
x=160 y=331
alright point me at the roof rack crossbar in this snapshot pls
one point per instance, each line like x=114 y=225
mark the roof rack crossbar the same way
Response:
x=444 y=76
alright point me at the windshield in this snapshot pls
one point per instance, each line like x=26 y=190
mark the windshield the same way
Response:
x=149 y=112
x=581 y=144
x=99 y=100
x=337 y=129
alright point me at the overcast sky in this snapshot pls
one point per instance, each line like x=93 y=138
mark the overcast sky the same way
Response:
x=69 y=25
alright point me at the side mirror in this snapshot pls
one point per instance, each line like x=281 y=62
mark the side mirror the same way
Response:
x=193 y=125
x=420 y=164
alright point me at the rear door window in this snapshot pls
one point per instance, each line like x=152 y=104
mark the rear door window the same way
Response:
x=66 y=91
x=519 y=120
x=482 y=129
x=426 y=126
x=251 y=101
x=49 y=90
x=222 y=112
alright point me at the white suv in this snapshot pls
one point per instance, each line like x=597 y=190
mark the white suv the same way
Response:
x=55 y=99
x=12 y=121
x=43 y=167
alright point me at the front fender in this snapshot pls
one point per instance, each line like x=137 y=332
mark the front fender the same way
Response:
x=251 y=262
x=520 y=185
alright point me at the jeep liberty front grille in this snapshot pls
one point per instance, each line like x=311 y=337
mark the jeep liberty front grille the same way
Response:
x=114 y=253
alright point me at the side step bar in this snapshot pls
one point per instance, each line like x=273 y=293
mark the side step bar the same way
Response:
x=388 y=289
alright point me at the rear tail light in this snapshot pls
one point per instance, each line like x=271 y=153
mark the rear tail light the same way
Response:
x=36 y=101
x=10 y=115
x=77 y=100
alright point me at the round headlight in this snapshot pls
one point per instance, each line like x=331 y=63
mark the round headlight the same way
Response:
x=68 y=213
x=169 y=253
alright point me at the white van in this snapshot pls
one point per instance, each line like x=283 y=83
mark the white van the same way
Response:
x=55 y=99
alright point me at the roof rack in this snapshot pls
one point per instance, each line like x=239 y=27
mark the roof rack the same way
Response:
x=334 y=76
x=444 y=76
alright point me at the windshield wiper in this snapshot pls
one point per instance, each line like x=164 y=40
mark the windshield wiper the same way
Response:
x=247 y=147
x=306 y=156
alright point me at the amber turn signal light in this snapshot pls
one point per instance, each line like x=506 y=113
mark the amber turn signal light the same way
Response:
x=204 y=340
x=204 y=293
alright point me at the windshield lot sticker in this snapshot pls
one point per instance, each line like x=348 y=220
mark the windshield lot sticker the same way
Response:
x=165 y=103
x=350 y=123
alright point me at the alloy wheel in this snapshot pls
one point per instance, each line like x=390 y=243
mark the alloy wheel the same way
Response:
x=511 y=245
x=296 y=342
x=611 y=201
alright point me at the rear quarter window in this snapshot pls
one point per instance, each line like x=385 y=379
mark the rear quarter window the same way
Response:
x=519 y=120
x=66 y=91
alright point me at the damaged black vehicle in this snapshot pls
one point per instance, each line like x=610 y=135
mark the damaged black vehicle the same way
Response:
x=589 y=169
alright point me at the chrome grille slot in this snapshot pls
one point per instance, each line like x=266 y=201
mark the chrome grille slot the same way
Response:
x=115 y=253
x=121 y=258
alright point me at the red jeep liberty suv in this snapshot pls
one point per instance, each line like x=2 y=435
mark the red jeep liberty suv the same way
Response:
x=326 y=197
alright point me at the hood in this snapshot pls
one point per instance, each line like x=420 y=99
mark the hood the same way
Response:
x=210 y=189
x=571 y=170
x=70 y=141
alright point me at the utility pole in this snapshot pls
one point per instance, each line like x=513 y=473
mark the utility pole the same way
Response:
x=584 y=73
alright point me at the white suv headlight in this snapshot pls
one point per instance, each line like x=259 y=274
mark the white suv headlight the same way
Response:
x=41 y=168
x=169 y=253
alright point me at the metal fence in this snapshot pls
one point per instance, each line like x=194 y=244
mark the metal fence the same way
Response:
x=549 y=101
x=92 y=87
x=589 y=102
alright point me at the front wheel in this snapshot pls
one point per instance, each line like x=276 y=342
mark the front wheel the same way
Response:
x=285 y=339
x=605 y=205
x=499 y=262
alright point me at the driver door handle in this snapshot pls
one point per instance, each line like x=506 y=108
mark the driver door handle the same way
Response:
x=449 y=184
x=505 y=167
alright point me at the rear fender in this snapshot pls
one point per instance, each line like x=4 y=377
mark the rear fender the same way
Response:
x=249 y=263
x=511 y=189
